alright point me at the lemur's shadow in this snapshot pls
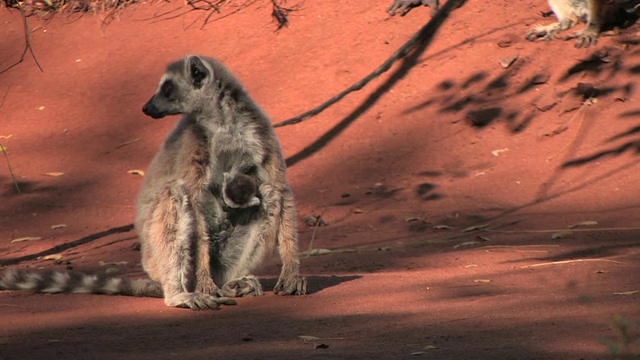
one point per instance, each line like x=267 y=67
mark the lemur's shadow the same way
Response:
x=316 y=283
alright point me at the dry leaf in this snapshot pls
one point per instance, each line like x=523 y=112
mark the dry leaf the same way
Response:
x=54 y=174
x=58 y=226
x=357 y=211
x=52 y=257
x=28 y=238
x=136 y=172
x=584 y=223
x=561 y=235
x=482 y=281
x=322 y=251
x=306 y=338
x=116 y=263
x=6 y=136
x=411 y=218
x=627 y=292
x=507 y=62
x=418 y=353
x=430 y=347
x=41 y=107
x=499 y=151
x=466 y=243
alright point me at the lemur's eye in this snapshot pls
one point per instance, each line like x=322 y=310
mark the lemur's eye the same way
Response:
x=167 y=88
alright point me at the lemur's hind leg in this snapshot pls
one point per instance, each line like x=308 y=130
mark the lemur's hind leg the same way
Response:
x=168 y=253
x=283 y=214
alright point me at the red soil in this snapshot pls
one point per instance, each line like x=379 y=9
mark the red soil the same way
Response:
x=457 y=141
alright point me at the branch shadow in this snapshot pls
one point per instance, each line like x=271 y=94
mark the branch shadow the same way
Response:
x=317 y=283
x=425 y=37
x=66 y=246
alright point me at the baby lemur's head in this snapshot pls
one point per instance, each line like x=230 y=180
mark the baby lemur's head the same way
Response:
x=240 y=191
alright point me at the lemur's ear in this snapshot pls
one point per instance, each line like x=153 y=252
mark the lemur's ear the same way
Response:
x=198 y=70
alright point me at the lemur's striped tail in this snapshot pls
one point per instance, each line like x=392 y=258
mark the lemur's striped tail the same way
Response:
x=75 y=282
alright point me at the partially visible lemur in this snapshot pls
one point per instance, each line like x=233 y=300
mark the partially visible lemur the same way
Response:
x=403 y=6
x=596 y=13
x=213 y=204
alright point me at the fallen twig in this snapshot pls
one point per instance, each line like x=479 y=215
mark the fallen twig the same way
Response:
x=316 y=252
x=545 y=231
x=315 y=230
x=122 y=145
x=582 y=110
x=562 y=262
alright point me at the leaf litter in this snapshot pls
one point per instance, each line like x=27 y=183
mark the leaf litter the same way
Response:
x=316 y=341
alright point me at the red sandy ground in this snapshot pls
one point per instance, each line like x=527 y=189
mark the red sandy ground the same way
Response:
x=457 y=141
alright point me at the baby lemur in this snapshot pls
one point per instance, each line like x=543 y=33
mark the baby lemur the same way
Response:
x=596 y=13
x=213 y=204
x=240 y=191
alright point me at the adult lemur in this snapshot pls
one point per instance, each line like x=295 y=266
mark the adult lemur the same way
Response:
x=214 y=202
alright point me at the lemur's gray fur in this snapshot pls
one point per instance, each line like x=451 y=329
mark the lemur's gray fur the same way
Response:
x=213 y=204
x=192 y=241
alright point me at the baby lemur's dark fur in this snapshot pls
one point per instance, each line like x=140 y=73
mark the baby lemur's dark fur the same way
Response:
x=240 y=191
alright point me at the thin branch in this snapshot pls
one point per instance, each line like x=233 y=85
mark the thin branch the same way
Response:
x=4 y=97
x=315 y=230
x=545 y=231
x=440 y=240
x=570 y=262
x=280 y=13
x=28 y=42
x=581 y=111
x=15 y=183
x=13 y=177
x=123 y=145
x=28 y=38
